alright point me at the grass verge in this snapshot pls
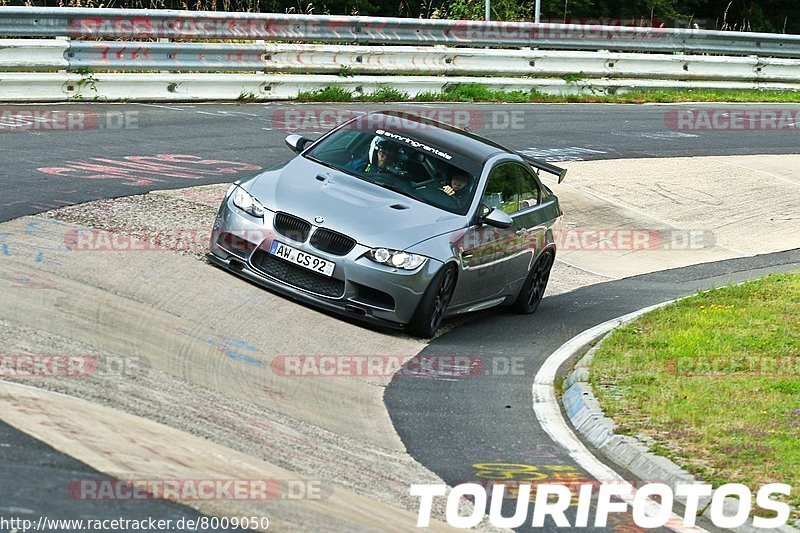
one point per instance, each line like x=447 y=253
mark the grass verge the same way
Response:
x=328 y=94
x=713 y=382
x=476 y=92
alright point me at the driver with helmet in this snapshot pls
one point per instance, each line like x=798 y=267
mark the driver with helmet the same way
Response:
x=382 y=156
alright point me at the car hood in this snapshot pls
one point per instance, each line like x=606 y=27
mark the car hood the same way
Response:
x=370 y=214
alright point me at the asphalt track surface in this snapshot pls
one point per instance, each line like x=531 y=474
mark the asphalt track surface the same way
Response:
x=106 y=134
x=34 y=481
x=449 y=425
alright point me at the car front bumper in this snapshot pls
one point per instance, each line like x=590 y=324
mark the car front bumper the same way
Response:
x=359 y=287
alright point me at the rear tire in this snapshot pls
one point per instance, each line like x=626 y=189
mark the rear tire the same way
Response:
x=431 y=309
x=532 y=291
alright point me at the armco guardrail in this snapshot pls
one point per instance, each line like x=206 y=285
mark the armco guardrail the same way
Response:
x=366 y=53
x=39 y=87
x=33 y=54
x=435 y=60
x=85 y=23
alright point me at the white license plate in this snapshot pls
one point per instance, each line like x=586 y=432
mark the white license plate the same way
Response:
x=301 y=258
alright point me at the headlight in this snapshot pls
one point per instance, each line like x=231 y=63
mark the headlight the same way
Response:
x=395 y=258
x=245 y=201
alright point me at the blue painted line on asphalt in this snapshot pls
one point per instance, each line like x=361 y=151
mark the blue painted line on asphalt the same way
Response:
x=236 y=356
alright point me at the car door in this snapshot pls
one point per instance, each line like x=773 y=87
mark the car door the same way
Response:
x=491 y=257
x=531 y=222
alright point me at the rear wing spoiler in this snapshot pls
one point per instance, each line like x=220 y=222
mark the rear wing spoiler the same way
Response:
x=545 y=166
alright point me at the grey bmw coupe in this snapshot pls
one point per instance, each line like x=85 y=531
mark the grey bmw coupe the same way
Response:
x=395 y=219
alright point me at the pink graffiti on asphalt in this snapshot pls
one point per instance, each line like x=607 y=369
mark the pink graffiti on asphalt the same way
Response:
x=141 y=171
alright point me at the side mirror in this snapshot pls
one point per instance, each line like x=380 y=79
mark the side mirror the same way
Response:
x=296 y=142
x=494 y=217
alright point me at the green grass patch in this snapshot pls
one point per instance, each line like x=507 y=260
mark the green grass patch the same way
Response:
x=386 y=94
x=714 y=380
x=328 y=94
x=476 y=92
x=346 y=72
x=707 y=95
x=247 y=97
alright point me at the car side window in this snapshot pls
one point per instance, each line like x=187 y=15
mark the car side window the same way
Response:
x=511 y=188
x=501 y=189
x=529 y=193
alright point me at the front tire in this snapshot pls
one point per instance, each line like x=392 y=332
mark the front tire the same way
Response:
x=431 y=309
x=532 y=291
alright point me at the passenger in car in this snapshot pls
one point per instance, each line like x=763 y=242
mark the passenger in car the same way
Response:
x=458 y=185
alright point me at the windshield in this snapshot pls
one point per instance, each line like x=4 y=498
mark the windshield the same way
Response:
x=398 y=161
